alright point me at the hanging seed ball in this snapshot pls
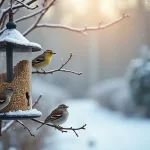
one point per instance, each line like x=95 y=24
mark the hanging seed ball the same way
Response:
x=21 y=84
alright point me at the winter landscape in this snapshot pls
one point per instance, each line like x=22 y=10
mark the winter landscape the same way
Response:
x=91 y=56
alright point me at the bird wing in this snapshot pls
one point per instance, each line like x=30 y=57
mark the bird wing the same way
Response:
x=55 y=114
x=38 y=59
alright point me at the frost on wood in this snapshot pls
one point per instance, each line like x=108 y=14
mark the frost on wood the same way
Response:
x=15 y=37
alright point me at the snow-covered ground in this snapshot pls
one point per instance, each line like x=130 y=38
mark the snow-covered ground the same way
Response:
x=106 y=130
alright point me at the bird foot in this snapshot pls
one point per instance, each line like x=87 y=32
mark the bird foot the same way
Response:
x=43 y=71
x=58 y=127
x=37 y=71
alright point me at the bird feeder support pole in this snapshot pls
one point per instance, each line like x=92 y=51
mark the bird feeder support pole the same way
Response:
x=9 y=49
x=9 y=61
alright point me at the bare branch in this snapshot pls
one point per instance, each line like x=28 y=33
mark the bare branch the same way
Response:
x=31 y=15
x=74 y=129
x=41 y=122
x=15 y=6
x=62 y=129
x=29 y=2
x=33 y=26
x=1 y=3
x=59 y=69
x=36 y=102
x=25 y=127
x=27 y=6
x=8 y=125
x=85 y=29
x=4 y=22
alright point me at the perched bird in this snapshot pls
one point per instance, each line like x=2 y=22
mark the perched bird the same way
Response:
x=58 y=116
x=5 y=97
x=43 y=60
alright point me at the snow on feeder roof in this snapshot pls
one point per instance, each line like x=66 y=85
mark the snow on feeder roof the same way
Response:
x=15 y=38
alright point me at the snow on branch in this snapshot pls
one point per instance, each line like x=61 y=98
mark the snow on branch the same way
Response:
x=85 y=29
x=34 y=25
x=59 y=69
x=14 y=6
x=7 y=126
x=31 y=15
x=27 y=6
x=42 y=12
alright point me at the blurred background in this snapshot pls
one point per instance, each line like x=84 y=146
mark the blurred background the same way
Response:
x=112 y=96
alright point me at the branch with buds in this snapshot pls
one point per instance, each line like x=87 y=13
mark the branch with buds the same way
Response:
x=59 y=69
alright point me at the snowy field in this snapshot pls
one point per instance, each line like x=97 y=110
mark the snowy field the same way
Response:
x=105 y=130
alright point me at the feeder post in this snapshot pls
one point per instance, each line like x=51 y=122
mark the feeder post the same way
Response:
x=9 y=62
x=9 y=49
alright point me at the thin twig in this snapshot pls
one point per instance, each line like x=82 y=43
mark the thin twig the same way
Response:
x=33 y=26
x=62 y=129
x=4 y=22
x=85 y=29
x=8 y=125
x=59 y=69
x=31 y=15
x=36 y=102
x=27 y=6
x=41 y=122
x=15 y=6
x=25 y=127
x=25 y=17
x=29 y=2
x=74 y=129
x=1 y=3
x=11 y=4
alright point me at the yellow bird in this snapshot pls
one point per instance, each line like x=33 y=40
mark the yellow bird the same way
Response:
x=43 y=60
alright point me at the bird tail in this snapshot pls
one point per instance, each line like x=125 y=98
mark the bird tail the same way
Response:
x=40 y=126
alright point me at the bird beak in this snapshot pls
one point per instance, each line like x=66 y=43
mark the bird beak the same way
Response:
x=67 y=106
x=54 y=53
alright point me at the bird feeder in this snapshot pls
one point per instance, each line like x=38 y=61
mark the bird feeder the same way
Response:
x=15 y=72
